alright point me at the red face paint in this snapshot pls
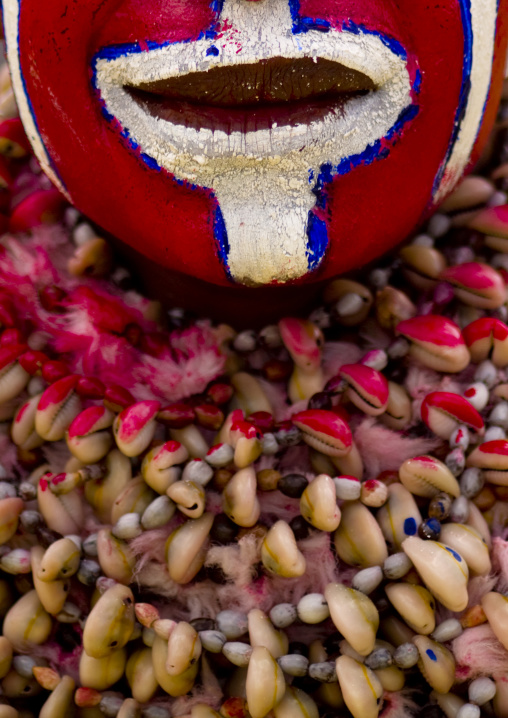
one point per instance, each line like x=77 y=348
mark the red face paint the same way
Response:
x=376 y=196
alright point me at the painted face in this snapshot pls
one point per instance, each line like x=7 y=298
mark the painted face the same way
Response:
x=257 y=142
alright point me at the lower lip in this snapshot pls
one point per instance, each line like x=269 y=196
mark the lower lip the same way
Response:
x=241 y=119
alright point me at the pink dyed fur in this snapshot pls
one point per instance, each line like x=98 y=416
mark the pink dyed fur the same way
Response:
x=383 y=449
x=479 y=653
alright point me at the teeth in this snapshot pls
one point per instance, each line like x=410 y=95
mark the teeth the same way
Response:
x=436 y=663
x=27 y=621
x=240 y=500
x=134 y=427
x=60 y=560
x=60 y=701
x=295 y=704
x=354 y=615
x=101 y=673
x=427 y=476
x=358 y=540
x=186 y=548
x=318 y=504
x=415 y=604
x=173 y=685
x=433 y=561
x=262 y=633
x=110 y=623
x=360 y=687
x=280 y=554
x=57 y=408
x=265 y=685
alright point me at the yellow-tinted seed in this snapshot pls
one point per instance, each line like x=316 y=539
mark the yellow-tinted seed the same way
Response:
x=27 y=621
x=8 y=712
x=360 y=687
x=141 y=675
x=115 y=557
x=263 y=633
x=184 y=649
x=16 y=686
x=354 y=615
x=186 y=548
x=46 y=677
x=102 y=673
x=5 y=656
x=60 y=560
x=110 y=623
x=103 y=493
x=173 y=685
x=60 y=701
x=10 y=509
x=52 y=594
x=129 y=709
x=265 y=685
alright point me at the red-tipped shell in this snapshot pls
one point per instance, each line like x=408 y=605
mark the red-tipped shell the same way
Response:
x=303 y=341
x=135 y=426
x=368 y=388
x=493 y=221
x=13 y=140
x=492 y=458
x=41 y=207
x=487 y=337
x=324 y=431
x=436 y=341
x=442 y=411
x=476 y=284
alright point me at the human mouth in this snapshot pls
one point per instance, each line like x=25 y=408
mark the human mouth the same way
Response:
x=254 y=96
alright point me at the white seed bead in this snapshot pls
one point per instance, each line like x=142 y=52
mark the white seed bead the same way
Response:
x=499 y=415
x=245 y=341
x=212 y=641
x=270 y=336
x=90 y=545
x=398 y=349
x=481 y=690
x=293 y=664
x=497 y=199
x=486 y=372
x=447 y=630
x=351 y=303
x=459 y=511
x=232 y=624
x=493 y=433
x=460 y=438
x=374 y=493
x=471 y=482
x=324 y=672
x=127 y=527
x=380 y=658
x=468 y=710
x=220 y=455
x=368 y=579
x=406 y=655
x=158 y=513
x=198 y=471
x=70 y=613
x=7 y=491
x=376 y=359
x=313 y=608
x=456 y=461
x=283 y=615
x=347 y=489
x=438 y=225
x=396 y=566
x=477 y=395
x=83 y=233
x=423 y=240
x=269 y=444
x=24 y=665
x=16 y=562
x=237 y=653
x=110 y=705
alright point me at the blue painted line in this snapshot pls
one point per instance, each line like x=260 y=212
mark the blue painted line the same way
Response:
x=410 y=526
x=465 y=13
x=455 y=555
x=212 y=51
x=431 y=654
x=221 y=239
x=317 y=244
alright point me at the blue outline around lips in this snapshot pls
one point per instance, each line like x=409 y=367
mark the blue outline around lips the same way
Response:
x=317 y=229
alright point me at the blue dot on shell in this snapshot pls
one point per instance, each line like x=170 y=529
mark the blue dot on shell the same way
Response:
x=410 y=527
x=431 y=654
x=212 y=51
x=455 y=555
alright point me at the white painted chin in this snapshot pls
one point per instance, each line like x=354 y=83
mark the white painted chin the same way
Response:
x=261 y=178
